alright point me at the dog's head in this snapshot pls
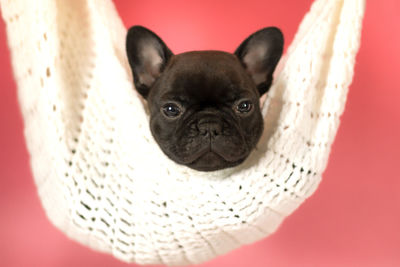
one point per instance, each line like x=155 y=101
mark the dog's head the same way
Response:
x=204 y=105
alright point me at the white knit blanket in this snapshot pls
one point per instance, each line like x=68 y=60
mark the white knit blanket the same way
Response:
x=105 y=183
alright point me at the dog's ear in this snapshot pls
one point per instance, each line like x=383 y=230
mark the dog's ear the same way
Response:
x=259 y=54
x=147 y=55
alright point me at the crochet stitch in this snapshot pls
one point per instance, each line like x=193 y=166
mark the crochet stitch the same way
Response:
x=105 y=183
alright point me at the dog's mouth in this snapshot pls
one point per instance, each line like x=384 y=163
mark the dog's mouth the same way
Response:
x=212 y=161
x=210 y=158
x=210 y=148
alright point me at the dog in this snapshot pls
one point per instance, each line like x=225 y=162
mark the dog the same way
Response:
x=204 y=105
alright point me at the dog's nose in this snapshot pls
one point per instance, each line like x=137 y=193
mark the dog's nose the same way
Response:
x=209 y=127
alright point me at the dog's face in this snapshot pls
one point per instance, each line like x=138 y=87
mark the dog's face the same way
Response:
x=204 y=105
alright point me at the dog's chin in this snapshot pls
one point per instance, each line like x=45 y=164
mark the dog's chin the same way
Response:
x=211 y=161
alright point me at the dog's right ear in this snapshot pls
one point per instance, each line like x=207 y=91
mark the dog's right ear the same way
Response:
x=147 y=55
x=260 y=54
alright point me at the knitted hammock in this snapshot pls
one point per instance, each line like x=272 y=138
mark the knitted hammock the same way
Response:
x=101 y=177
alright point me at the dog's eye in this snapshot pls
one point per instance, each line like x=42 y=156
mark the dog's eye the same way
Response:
x=171 y=110
x=244 y=106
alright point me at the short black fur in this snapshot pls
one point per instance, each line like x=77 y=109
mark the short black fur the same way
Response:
x=196 y=99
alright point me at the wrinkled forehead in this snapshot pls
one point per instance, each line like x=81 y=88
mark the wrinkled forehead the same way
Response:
x=208 y=76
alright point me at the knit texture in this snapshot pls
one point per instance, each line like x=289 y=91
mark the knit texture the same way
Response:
x=101 y=177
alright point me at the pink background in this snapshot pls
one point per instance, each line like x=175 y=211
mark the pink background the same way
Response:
x=354 y=217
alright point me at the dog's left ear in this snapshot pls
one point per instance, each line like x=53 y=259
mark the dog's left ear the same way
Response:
x=147 y=55
x=259 y=54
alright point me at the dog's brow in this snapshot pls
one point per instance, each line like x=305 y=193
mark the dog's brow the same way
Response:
x=173 y=97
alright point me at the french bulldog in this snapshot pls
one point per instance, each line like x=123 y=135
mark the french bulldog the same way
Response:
x=204 y=105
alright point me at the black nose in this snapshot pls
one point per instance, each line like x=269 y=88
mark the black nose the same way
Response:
x=209 y=127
